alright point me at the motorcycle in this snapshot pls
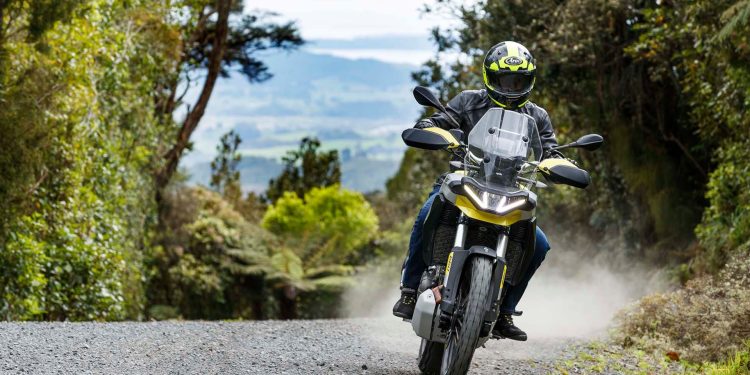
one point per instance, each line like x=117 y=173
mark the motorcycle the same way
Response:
x=479 y=235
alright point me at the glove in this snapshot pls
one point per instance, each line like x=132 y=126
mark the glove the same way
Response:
x=554 y=154
x=421 y=124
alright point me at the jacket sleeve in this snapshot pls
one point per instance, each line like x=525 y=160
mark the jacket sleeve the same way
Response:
x=455 y=108
x=546 y=132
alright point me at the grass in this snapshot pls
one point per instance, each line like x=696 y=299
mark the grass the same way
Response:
x=739 y=364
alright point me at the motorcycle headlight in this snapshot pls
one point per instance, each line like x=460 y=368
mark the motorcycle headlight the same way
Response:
x=495 y=203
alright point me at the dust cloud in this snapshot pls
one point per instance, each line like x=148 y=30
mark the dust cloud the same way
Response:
x=575 y=293
x=581 y=285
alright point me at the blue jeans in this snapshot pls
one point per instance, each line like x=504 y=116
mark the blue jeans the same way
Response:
x=414 y=264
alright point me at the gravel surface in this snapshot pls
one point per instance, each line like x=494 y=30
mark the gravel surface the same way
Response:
x=356 y=346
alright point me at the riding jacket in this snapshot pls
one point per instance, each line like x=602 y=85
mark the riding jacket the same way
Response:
x=468 y=107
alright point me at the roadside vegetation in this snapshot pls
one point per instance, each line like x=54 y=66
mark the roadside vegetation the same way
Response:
x=98 y=223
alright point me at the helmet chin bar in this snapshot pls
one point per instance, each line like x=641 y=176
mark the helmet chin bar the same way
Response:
x=509 y=105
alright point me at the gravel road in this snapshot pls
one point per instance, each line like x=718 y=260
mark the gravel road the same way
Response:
x=354 y=346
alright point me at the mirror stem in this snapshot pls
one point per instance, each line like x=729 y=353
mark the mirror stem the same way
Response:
x=573 y=144
x=445 y=111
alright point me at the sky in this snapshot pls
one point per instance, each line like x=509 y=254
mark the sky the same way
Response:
x=347 y=19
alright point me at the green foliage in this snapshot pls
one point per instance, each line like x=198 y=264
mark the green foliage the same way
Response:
x=304 y=169
x=78 y=134
x=726 y=221
x=87 y=93
x=325 y=227
x=738 y=364
x=212 y=263
x=655 y=80
x=736 y=18
x=320 y=234
x=715 y=81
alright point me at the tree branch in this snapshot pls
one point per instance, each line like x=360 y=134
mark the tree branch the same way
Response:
x=172 y=157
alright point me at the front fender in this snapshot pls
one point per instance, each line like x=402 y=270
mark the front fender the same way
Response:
x=455 y=268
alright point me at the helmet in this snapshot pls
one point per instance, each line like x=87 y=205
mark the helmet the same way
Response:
x=509 y=73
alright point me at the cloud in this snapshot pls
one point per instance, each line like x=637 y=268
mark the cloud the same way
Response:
x=347 y=19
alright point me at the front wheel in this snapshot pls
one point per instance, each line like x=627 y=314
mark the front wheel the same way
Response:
x=472 y=301
x=430 y=357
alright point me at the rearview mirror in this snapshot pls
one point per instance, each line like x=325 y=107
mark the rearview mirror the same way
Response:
x=423 y=139
x=425 y=97
x=590 y=142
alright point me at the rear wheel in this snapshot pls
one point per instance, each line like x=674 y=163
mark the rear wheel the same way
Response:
x=472 y=301
x=430 y=357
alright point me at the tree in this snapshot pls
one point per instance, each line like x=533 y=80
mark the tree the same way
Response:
x=305 y=169
x=79 y=134
x=591 y=83
x=225 y=175
x=216 y=37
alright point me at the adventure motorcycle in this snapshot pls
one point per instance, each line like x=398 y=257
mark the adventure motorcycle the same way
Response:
x=480 y=231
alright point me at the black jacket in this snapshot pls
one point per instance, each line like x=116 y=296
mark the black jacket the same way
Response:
x=469 y=106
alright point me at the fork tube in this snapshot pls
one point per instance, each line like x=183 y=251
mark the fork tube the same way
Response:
x=460 y=231
x=502 y=245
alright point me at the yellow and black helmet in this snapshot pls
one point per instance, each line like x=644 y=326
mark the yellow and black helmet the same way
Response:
x=509 y=73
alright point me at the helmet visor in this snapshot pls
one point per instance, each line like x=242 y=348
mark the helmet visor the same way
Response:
x=510 y=83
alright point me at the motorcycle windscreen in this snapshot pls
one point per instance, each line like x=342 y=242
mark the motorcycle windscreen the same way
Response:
x=500 y=143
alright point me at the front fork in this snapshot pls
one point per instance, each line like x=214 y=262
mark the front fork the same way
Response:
x=455 y=267
x=502 y=239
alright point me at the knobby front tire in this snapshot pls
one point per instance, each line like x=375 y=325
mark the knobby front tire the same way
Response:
x=472 y=301
x=430 y=357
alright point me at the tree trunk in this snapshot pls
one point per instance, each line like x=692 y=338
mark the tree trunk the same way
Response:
x=288 y=303
x=172 y=157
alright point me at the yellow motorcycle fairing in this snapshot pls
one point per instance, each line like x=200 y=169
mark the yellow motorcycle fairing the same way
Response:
x=468 y=208
x=547 y=165
x=446 y=135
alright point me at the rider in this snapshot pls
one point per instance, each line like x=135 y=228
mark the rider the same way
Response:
x=509 y=73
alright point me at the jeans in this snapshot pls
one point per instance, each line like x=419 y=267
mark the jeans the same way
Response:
x=414 y=264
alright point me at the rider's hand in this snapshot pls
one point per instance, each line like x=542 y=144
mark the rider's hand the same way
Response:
x=554 y=154
x=424 y=124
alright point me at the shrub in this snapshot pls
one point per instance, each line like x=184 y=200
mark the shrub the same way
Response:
x=707 y=320
x=212 y=264
x=325 y=227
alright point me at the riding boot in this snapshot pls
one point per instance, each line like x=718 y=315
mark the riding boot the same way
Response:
x=404 y=307
x=505 y=328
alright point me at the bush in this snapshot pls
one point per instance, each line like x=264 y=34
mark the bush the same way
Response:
x=324 y=228
x=707 y=320
x=726 y=221
x=212 y=264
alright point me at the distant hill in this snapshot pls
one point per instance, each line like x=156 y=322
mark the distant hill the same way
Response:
x=359 y=173
x=356 y=106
